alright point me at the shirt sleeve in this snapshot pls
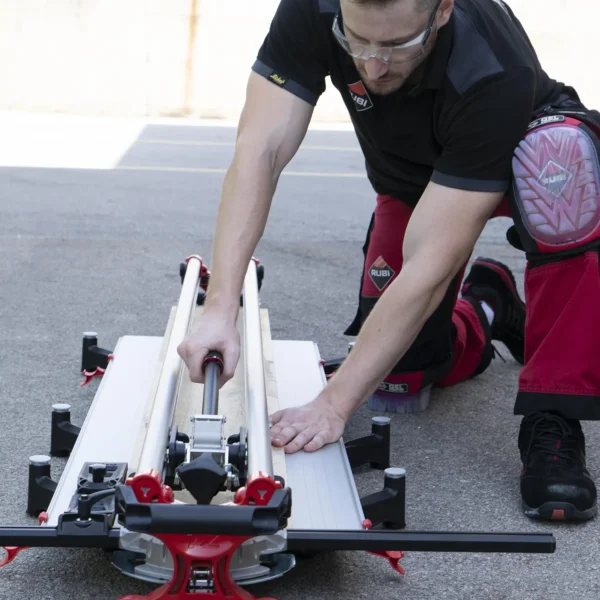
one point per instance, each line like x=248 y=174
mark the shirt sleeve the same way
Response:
x=292 y=55
x=483 y=131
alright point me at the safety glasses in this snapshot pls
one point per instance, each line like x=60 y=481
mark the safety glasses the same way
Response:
x=403 y=53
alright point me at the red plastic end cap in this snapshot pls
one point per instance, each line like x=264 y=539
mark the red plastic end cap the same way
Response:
x=367 y=524
x=197 y=256
x=43 y=518
x=213 y=357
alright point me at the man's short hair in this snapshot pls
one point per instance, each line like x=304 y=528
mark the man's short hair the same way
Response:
x=421 y=5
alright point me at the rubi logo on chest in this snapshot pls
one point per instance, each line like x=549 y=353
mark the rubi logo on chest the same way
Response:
x=359 y=94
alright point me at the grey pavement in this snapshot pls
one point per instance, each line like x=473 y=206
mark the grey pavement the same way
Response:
x=100 y=249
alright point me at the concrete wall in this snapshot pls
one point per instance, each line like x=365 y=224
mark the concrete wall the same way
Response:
x=192 y=57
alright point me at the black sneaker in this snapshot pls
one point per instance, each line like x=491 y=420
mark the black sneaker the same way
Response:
x=492 y=282
x=489 y=352
x=555 y=483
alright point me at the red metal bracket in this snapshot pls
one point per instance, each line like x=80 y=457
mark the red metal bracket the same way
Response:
x=258 y=491
x=204 y=272
x=201 y=557
x=148 y=488
x=12 y=551
x=98 y=372
x=394 y=557
x=11 y=554
x=322 y=364
x=187 y=260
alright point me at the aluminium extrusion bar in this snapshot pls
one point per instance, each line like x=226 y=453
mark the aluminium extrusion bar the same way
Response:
x=421 y=541
x=260 y=458
x=153 y=450
x=107 y=434
x=319 y=541
x=50 y=537
x=322 y=483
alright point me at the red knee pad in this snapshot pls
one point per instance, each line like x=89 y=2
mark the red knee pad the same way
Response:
x=555 y=194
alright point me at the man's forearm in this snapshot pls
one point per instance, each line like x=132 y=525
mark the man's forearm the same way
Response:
x=385 y=337
x=246 y=199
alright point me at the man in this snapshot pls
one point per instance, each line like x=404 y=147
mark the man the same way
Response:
x=458 y=122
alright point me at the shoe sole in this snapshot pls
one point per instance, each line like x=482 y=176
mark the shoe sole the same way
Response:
x=560 y=511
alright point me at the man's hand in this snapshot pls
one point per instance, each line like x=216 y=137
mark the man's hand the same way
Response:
x=308 y=427
x=214 y=331
x=439 y=239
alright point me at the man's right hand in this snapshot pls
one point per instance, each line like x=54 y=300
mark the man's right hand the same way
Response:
x=212 y=331
x=272 y=126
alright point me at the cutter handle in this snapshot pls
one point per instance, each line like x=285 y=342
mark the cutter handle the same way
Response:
x=212 y=367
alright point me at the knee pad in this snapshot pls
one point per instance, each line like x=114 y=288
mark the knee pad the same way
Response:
x=555 y=195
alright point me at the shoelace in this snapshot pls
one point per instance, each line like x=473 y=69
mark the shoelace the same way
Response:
x=552 y=435
x=497 y=353
x=514 y=319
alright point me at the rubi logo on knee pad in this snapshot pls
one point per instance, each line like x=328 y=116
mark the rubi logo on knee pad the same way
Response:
x=555 y=178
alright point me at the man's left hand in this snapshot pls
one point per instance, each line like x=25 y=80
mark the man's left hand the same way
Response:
x=308 y=427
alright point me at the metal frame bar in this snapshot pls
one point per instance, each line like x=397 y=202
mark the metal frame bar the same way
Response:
x=157 y=434
x=421 y=541
x=322 y=483
x=316 y=541
x=119 y=401
x=260 y=459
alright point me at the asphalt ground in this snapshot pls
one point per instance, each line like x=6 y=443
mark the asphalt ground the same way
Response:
x=99 y=248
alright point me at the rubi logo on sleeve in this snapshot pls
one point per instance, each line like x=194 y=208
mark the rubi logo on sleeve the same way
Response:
x=361 y=97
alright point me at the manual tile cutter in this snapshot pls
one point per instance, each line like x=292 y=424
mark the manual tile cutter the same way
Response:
x=188 y=493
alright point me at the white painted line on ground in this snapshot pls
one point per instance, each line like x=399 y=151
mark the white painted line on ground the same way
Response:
x=232 y=144
x=221 y=171
x=66 y=141
x=314 y=125
x=58 y=141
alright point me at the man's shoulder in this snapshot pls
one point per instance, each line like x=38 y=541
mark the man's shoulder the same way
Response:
x=315 y=7
x=312 y=13
x=488 y=44
x=328 y=6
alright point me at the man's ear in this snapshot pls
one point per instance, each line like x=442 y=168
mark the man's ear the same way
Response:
x=444 y=13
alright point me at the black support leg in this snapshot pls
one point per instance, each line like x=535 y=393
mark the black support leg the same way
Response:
x=388 y=507
x=64 y=433
x=373 y=449
x=41 y=486
x=92 y=356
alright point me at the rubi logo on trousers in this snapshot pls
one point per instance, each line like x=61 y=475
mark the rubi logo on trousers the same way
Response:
x=359 y=94
x=381 y=273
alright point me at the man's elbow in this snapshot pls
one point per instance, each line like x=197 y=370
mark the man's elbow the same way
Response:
x=435 y=268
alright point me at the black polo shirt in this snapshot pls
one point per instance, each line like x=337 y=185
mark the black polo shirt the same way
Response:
x=458 y=126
